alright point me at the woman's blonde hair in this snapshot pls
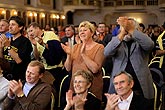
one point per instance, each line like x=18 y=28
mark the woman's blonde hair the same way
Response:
x=88 y=25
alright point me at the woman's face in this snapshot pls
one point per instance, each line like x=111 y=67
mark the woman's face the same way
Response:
x=85 y=34
x=80 y=85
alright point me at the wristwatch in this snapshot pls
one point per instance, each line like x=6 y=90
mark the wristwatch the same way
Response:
x=9 y=48
x=21 y=95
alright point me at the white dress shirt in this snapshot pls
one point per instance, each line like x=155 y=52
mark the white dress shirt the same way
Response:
x=125 y=104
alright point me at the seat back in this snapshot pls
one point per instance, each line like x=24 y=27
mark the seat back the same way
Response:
x=106 y=82
x=64 y=87
x=155 y=96
x=52 y=101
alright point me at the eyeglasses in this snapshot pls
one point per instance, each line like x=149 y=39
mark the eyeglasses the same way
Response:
x=79 y=82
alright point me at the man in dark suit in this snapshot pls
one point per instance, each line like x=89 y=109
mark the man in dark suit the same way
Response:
x=69 y=35
x=125 y=99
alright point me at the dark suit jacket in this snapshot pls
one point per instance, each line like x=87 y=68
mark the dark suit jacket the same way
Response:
x=65 y=39
x=139 y=103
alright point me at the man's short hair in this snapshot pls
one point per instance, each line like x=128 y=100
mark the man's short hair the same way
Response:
x=19 y=21
x=5 y=20
x=130 y=78
x=35 y=25
x=39 y=64
x=70 y=25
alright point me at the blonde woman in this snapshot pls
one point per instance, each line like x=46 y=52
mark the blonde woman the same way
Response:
x=87 y=55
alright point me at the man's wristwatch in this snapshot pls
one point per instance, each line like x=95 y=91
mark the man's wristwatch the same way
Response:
x=9 y=48
x=21 y=95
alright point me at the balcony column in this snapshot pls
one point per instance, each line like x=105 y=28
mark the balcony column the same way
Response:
x=134 y=2
x=122 y=3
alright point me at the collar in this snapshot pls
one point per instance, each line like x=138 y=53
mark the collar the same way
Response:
x=129 y=99
x=1 y=75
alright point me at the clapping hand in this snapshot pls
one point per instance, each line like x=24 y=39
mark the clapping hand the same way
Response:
x=15 y=88
x=112 y=101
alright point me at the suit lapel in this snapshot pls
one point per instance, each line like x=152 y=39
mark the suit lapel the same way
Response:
x=125 y=49
x=133 y=46
x=133 y=104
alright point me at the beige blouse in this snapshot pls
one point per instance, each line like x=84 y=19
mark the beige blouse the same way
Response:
x=96 y=54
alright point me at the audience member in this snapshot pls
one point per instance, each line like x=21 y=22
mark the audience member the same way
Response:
x=82 y=100
x=87 y=55
x=4 y=28
x=160 y=50
x=47 y=27
x=125 y=99
x=130 y=51
x=61 y=32
x=31 y=95
x=154 y=37
x=103 y=36
x=69 y=35
x=48 y=50
x=4 y=66
x=16 y=50
x=141 y=27
x=55 y=30
x=104 y=39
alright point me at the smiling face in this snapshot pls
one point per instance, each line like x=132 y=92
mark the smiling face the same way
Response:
x=123 y=85
x=85 y=34
x=32 y=74
x=81 y=85
x=86 y=31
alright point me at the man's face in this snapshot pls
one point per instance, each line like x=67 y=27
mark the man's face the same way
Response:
x=122 y=85
x=4 y=27
x=32 y=74
x=69 y=32
x=101 y=28
x=33 y=31
x=14 y=27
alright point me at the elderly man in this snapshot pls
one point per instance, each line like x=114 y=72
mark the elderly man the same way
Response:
x=130 y=51
x=125 y=99
x=31 y=95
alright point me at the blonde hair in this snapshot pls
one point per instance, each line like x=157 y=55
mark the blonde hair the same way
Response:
x=88 y=25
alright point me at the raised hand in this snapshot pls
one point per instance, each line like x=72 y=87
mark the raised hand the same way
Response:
x=79 y=102
x=5 y=40
x=15 y=87
x=66 y=48
x=33 y=40
x=83 y=48
x=112 y=101
x=69 y=99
